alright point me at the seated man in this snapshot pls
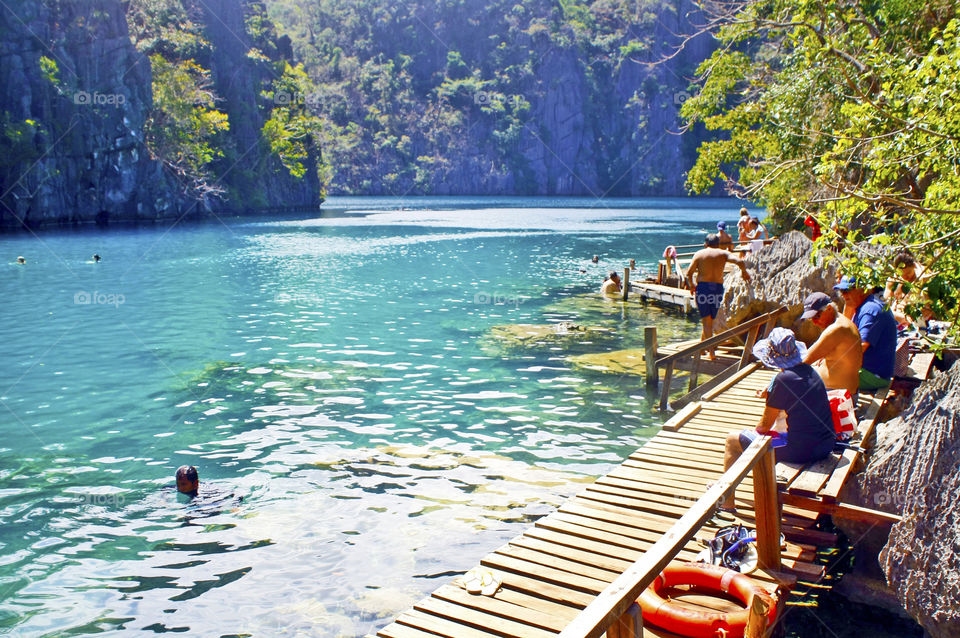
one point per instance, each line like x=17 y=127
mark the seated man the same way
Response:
x=796 y=392
x=878 y=333
x=611 y=285
x=707 y=265
x=838 y=349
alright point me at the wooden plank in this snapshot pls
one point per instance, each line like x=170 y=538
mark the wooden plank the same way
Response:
x=675 y=422
x=709 y=390
x=615 y=599
x=580 y=546
x=546 y=574
x=489 y=613
x=542 y=589
x=841 y=510
x=560 y=563
x=814 y=476
x=395 y=630
x=441 y=626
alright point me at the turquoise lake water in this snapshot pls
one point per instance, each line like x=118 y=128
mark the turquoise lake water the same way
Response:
x=360 y=432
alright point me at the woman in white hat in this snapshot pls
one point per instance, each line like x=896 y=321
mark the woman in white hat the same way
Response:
x=796 y=392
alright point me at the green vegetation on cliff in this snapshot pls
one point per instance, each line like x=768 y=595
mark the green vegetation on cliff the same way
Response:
x=528 y=96
x=848 y=111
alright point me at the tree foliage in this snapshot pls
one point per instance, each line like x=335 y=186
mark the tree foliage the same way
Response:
x=846 y=110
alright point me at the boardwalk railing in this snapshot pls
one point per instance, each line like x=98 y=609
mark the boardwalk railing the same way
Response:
x=615 y=612
x=754 y=329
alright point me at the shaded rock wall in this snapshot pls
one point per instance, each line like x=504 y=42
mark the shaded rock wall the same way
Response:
x=915 y=472
x=73 y=144
x=782 y=273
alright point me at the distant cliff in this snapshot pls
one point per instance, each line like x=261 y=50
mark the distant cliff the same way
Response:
x=76 y=97
x=503 y=96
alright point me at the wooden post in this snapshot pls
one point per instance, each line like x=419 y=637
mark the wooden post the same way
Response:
x=665 y=391
x=629 y=625
x=626 y=282
x=757 y=620
x=748 y=346
x=695 y=372
x=766 y=506
x=650 y=355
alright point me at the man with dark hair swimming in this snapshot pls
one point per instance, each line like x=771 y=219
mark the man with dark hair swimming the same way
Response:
x=188 y=481
x=707 y=265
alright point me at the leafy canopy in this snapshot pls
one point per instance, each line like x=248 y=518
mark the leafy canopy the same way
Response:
x=848 y=111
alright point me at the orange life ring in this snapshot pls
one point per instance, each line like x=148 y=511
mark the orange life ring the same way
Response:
x=685 y=621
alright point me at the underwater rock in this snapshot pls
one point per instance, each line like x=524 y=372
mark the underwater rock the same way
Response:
x=617 y=362
x=915 y=472
x=782 y=273
x=524 y=335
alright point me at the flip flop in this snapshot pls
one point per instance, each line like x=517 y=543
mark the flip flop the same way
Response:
x=481 y=580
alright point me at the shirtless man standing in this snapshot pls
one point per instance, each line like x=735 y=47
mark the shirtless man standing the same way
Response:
x=838 y=349
x=707 y=264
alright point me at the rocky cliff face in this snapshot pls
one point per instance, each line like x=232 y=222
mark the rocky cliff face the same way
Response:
x=75 y=97
x=914 y=471
x=782 y=273
x=73 y=137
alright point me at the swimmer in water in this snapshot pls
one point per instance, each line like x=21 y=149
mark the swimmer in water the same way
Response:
x=188 y=481
x=21 y=260
x=96 y=258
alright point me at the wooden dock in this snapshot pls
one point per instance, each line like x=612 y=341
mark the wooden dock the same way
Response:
x=578 y=572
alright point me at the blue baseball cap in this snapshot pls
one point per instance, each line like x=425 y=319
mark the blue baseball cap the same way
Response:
x=721 y=225
x=846 y=283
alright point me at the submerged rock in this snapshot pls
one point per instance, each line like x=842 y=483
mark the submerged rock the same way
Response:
x=782 y=273
x=616 y=362
x=915 y=472
x=524 y=335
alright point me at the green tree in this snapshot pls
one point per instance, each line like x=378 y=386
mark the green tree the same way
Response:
x=183 y=125
x=846 y=110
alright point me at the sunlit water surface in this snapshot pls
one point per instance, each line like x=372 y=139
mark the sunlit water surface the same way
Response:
x=360 y=434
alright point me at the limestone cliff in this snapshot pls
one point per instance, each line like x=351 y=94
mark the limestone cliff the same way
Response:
x=75 y=98
x=914 y=471
x=73 y=138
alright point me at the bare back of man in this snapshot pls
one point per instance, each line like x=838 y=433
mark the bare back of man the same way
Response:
x=837 y=355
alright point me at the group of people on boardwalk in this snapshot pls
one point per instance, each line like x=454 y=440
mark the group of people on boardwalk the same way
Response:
x=855 y=351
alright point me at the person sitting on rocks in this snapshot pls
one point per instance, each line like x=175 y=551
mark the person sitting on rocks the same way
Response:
x=726 y=241
x=707 y=266
x=837 y=354
x=611 y=285
x=899 y=294
x=756 y=234
x=797 y=393
x=743 y=225
x=878 y=333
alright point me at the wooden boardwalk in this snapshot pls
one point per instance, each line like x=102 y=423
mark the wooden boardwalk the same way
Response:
x=570 y=559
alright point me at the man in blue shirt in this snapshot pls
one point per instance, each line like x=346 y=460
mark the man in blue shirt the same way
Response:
x=878 y=333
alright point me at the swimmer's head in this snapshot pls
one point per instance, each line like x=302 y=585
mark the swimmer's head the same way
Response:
x=21 y=260
x=595 y=259
x=712 y=241
x=96 y=257
x=613 y=275
x=188 y=482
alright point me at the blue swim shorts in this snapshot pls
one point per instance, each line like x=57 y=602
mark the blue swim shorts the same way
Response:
x=709 y=297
